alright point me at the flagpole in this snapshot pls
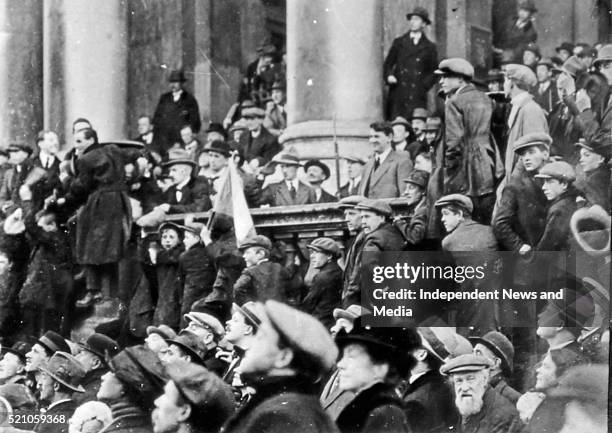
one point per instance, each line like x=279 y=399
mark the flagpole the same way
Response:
x=336 y=154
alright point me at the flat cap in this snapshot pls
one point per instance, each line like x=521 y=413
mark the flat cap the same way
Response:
x=19 y=349
x=169 y=225
x=521 y=74
x=253 y=112
x=455 y=66
x=351 y=312
x=139 y=368
x=604 y=55
x=303 y=332
x=101 y=345
x=203 y=389
x=207 y=319
x=560 y=170
x=256 y=241
x=420 y=113
x=318 y=163
x=65 y=369
x=444 y=343
x=433 y=124
x=376 y=206
x=162 y=330
x=399 y=120
x=353 y=157
x=286 y=159
x=585 y=383
x=466 y=363
x=351 y=201
x=532 y=139
x=456 y=199
x=325 y=245
x=218 y=146
x=54 y=342
x=418 y=178
x=499 y=344
x=248 y=312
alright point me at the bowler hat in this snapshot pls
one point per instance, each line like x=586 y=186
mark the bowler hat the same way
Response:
x=456 y=66
x=325 y=245
x=318 y=163
x=286 y=159
x=101 y=345
x=54 y=342
x=65 y=369
x=211 y=313
x=604 y=55
x=420 y=113
x=433 y=124
x=521 y=74
x=191 y=345
x=418 y=178
x=460 y=200
x=162 y=330
x=278 y=85
x=20 y=147
x=532 y=139
x=527 y=5
x=465 y=364
x=420 y=12
x=499 y=344
x=376 y=206
x=19 y=349
x=177 y=76
x=534 y=49
x=247 y=311
x=256 y=241
x=140 y=369
x=216 y=127
x=560 y=170
x=399 y=120
x=179 y=156
x=567 y=46
x=351 y=201
x=218 y=146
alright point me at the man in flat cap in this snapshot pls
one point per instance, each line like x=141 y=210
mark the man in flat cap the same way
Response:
x=240 y=331
x=175 y=109
x=15 y=177
x=482 y=409
x=383 y=174
x=194 y=400
x=409 y=65
x=291 y=352
x=354 y=169
x=258 y=145
x=59 y=379
x=325 y=291
x=513 y=36
x=290 y=191
x=470 y=161
x=594 y=161
x=413 y=226
x=12 y=363
x=92 y=357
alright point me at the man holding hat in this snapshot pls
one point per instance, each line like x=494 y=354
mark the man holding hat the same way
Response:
x=354 y=168
x=594 y=159
x=187 y=193
x=262 y=279
x=317 y=173
x=194 y=400
x=291 y=352
x=276 y=113
x=258 y=145
x=290 y=191
x=409 y=66
x=413 y=226
x=482 y=409
x=471 y=161
x=324 y=293
x=92 y=357
x=12 y=363
x=58 y=380
x=175 y=109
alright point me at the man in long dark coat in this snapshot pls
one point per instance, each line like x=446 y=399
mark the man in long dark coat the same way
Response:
x=409 y=67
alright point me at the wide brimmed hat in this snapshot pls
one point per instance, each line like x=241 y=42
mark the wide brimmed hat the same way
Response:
x=218 y=146
x=317 y=163
x=191 y=345
x=604 y=55
x=65 y=369
x=179 y=156
x=101 y=345
x=420 y=12
x=351 y=201
x=177 y=76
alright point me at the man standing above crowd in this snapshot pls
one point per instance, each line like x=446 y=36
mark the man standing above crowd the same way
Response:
x=409 y=66
x=514 y=35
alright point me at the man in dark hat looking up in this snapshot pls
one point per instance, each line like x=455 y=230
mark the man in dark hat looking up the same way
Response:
x=175 y=109
x=317 y=173
x=43 y=350
x=409 y=66
x=240 y=331
x=12 y=363
x=93 y=359
x=291 y=352
x=194 y=400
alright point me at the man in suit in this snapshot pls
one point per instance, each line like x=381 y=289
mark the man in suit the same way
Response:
x=276 y=113
x=175 y=109
x=258 y=146
x=290 y=191
x=384 y=174
x=317 y=173
x=354 y=167
x=418 y=122
x=187 y=193
x=512 y=37
x=92 y=357
x=547 y=96
x=14 y=178
x=401 y=134
x=409 y=66
x=48 y=146
x=153 y=140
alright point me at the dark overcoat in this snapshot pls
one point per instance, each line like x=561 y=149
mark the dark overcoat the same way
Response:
x=596 y=186
x=263 y=147
x=195 y=197
x=350 y=278
x=557 y=233
x=266 y=280
x=324 y=294
x=168 y=307
x=197 y=271
x=63 y=411
x=170 y=116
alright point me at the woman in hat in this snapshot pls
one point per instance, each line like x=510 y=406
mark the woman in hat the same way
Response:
x=594 y=182
x=373 y=360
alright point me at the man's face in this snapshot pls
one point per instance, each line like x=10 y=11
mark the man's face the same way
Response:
x=606 y=69
x=18 y=156
x=356 y=369
x=546 y=373
x=469 y=391
x=187 y=135
x=399 y=133
x=203 y=332
x=179 y=172
x=355 y=169
x=430 y=137
x=379 y=141
x=50 y=143
x=353 y=219
x=590 y=160
x=449 y=83
x=5 y=263
x=44 y=385
x=529 y=58
x=10 y=365
x=553 y=188
x=563 y=55
x=278 y=96
x=168 y=414
x=80 y=142
x=533 y=157
x=175 y=86
x=155 y=342
x=289 y=171
x=88 y=359
x=319 y=259
x=265 y=353
x=236 y=328
x=144 y=125
x=417 y=125
x=315 y=175
x=542 y=73
x=169 y=239
x=251 y=256
x=413 y=193
x=236 y=134
x=416 y=23
x=508 y=85
x=341 y=323
x=253 y=122
x=36 y=357
x=214 y=136
x=370 y=221
x=111 y=388
x=217 y=161
x=173 y=353
x=423 y=163
x=450 y=219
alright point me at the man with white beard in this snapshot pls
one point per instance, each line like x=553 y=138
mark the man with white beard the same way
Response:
x=482 y=409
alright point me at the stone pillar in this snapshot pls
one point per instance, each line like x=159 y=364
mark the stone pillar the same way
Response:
x=334 y=77
x=21 y=53
x=86 y=65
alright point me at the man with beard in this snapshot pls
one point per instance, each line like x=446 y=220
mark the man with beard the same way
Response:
x=414 y=226
x=194 y=400
x=59 y=379
x=481 y=408
x=12 y=364
x=92 y=357
x=317 y=173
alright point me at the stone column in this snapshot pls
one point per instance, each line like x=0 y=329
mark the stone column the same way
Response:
x=86 y=65
x=21 y=51
x=334 y=77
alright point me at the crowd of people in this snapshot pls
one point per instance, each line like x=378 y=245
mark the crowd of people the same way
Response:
x=212 y=334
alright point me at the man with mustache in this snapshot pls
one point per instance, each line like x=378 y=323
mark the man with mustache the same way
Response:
x=482 y=409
